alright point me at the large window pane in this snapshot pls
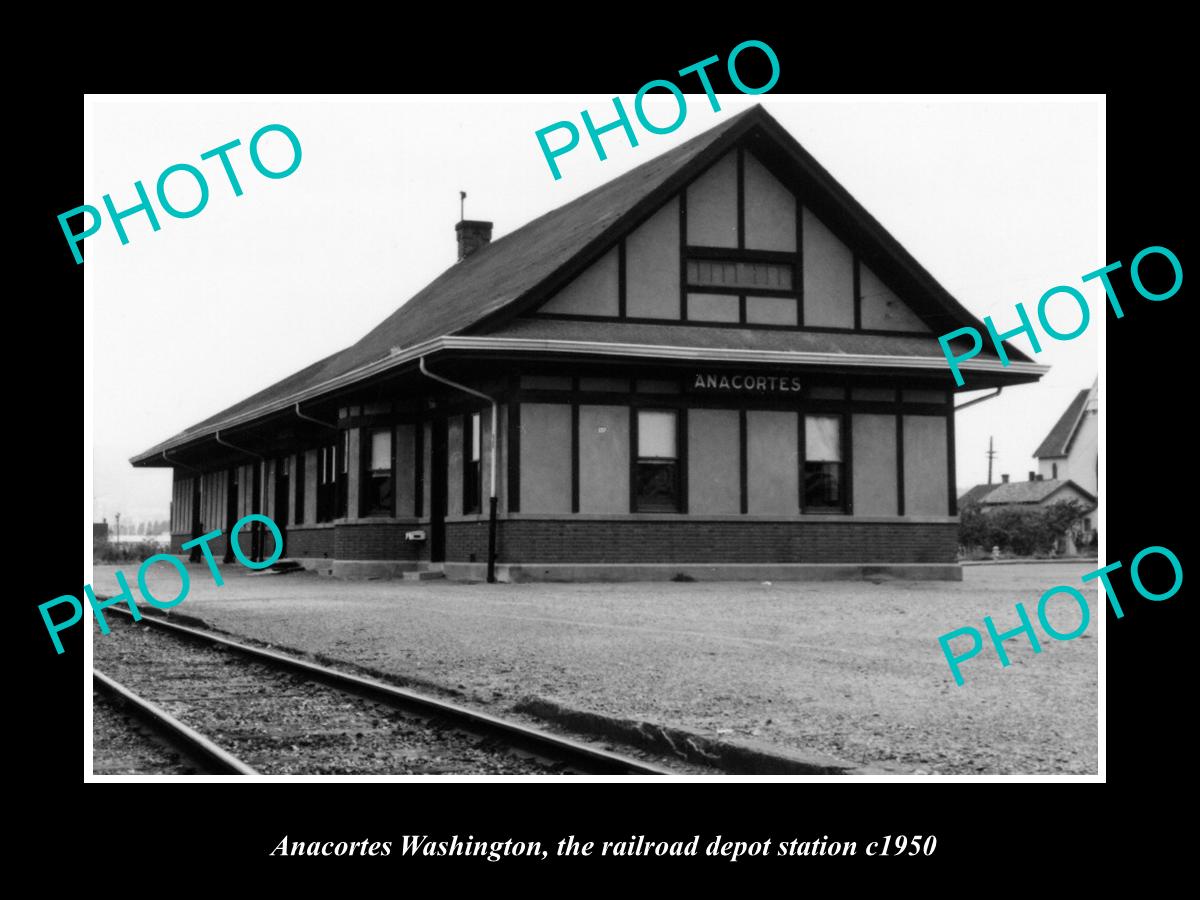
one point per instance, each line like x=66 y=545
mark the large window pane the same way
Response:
x=823 y=439
x=381 y=450
x=656 y=435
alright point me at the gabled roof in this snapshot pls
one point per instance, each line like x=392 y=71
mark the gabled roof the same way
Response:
x=976 y=494
x=521 y=269
x=1030 y=492
x=1058 y=441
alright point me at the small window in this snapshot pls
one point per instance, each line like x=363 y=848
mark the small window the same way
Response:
x=472 y=470
x=379 y=479
x=823 y=476
x=739 y=274
x=657 y=461
x=1054 y=471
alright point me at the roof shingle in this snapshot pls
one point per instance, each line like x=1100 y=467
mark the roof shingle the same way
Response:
x=1029 y=492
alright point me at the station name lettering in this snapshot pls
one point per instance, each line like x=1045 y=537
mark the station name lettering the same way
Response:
x=772 y=383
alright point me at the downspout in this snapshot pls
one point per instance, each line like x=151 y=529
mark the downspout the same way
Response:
x=256 y=529
x=314 y=421
x=491 y=566
x=980 y=399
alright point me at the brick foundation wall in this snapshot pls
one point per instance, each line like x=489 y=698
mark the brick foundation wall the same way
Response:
x=216 y=546
x=626 y=541
x=468 y=541
x=371 y=540
x=315 y=543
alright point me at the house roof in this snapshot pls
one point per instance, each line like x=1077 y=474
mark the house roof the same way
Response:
x=976 y=494
x=483 y=292
x=1016 y=492
x=1058 y=441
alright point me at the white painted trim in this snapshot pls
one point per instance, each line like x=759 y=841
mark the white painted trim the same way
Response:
x=403 y=356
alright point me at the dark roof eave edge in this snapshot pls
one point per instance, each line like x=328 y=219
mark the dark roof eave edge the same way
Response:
x=455 y=342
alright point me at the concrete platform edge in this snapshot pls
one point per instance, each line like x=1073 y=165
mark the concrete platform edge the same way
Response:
x=525 y=572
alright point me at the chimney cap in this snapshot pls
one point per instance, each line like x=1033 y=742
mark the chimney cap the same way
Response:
x=473 y=224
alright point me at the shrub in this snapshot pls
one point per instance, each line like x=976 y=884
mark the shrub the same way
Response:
x=1015 y=530
x=110 y=552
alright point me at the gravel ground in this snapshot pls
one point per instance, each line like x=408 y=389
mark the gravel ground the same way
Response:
x=851 y=669
x=122 y=746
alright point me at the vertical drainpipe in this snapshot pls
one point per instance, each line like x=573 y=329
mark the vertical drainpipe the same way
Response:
x=491 y=565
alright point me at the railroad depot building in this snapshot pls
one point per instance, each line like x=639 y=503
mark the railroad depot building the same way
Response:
x=717 y=364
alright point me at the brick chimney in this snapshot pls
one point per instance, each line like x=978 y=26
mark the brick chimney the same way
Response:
x=471 y=236
x=1004 y=479
x=1031 y=474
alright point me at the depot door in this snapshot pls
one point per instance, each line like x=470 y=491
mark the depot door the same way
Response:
x=437 y=492
x=282 y=496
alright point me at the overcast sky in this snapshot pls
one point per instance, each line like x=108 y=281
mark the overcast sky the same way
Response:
x=998 y=200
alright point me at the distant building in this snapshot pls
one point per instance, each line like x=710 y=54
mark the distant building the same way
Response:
x=1038 y=491
x=1069 y=451
x=100 y=532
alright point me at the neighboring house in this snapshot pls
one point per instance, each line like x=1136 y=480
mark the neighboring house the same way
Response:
x=975 y=494
x=1038 y=491
x=1070 y=450
x=717 y=360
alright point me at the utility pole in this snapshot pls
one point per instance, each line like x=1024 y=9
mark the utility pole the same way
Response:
x=991 y=454
x=118 y=528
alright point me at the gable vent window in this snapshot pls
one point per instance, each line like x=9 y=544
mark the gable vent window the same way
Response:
x=736 y=274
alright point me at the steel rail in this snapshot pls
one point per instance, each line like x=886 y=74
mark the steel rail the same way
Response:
x=532 y=740
x=196 y=744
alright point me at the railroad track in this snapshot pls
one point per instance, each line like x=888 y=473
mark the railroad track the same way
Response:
x=192 y=744
x=249 y=710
